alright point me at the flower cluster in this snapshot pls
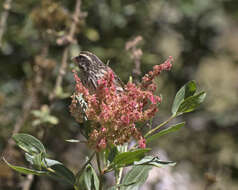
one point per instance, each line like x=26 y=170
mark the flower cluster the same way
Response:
x=148 y=79
x=113 y=114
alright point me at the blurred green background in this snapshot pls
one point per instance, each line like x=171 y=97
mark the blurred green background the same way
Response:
x=202 y=37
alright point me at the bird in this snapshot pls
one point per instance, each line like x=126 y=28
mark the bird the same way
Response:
x=93 y=69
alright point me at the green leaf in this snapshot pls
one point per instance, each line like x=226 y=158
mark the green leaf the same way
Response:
x=154 y=161
x=61 y=94
x=25 y=170
x=115 y=187
x=57 y=169
x=191 y=103
x=190 y=89
x=171 y=129
x=35 y=160
x=136 y=177
x=122 y=148
x=29 y=143
x=186 y=91
x=29 y=158
x=54 y=168
x=36 y=113
x=43 y=116
x=36 y=122
x=92 y=34
x=90 y=178
x=52 y=120
x=49 y=162
x=113 y=152
x=128 y=158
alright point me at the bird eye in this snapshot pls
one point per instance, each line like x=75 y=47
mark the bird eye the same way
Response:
x=82 y=62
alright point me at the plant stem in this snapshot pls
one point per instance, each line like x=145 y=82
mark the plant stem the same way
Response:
x=100 y=170
x=76 y=186
x=3 y=19
x=118 y=173
x=88 y=161
x=154 y=129
x=162 y=124
x=119 y=176
x=72 y=31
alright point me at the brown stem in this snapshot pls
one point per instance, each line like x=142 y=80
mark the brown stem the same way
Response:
x=135 y=54
x=3 y=20
x=137 y=69
x=70 y=37
x=62 y=70
x=27 y=183
x=28 y=104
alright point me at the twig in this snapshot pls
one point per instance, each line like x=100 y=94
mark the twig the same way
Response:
x=26 y=111
x=62 y=70
x=162 y=124
x=27 y=106
x=154 y=129
x=84 y=166
x=82 y=169
x=59 y=79
x=135 y=54
x=27 y=183
x=3 y=20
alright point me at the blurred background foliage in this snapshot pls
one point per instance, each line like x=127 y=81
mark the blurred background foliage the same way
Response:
x=202 y=37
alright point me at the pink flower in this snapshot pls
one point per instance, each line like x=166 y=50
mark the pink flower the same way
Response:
x=157 y=69
x=102 y=144
x=142 y=143
x=125 y=119
x=114 y=114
